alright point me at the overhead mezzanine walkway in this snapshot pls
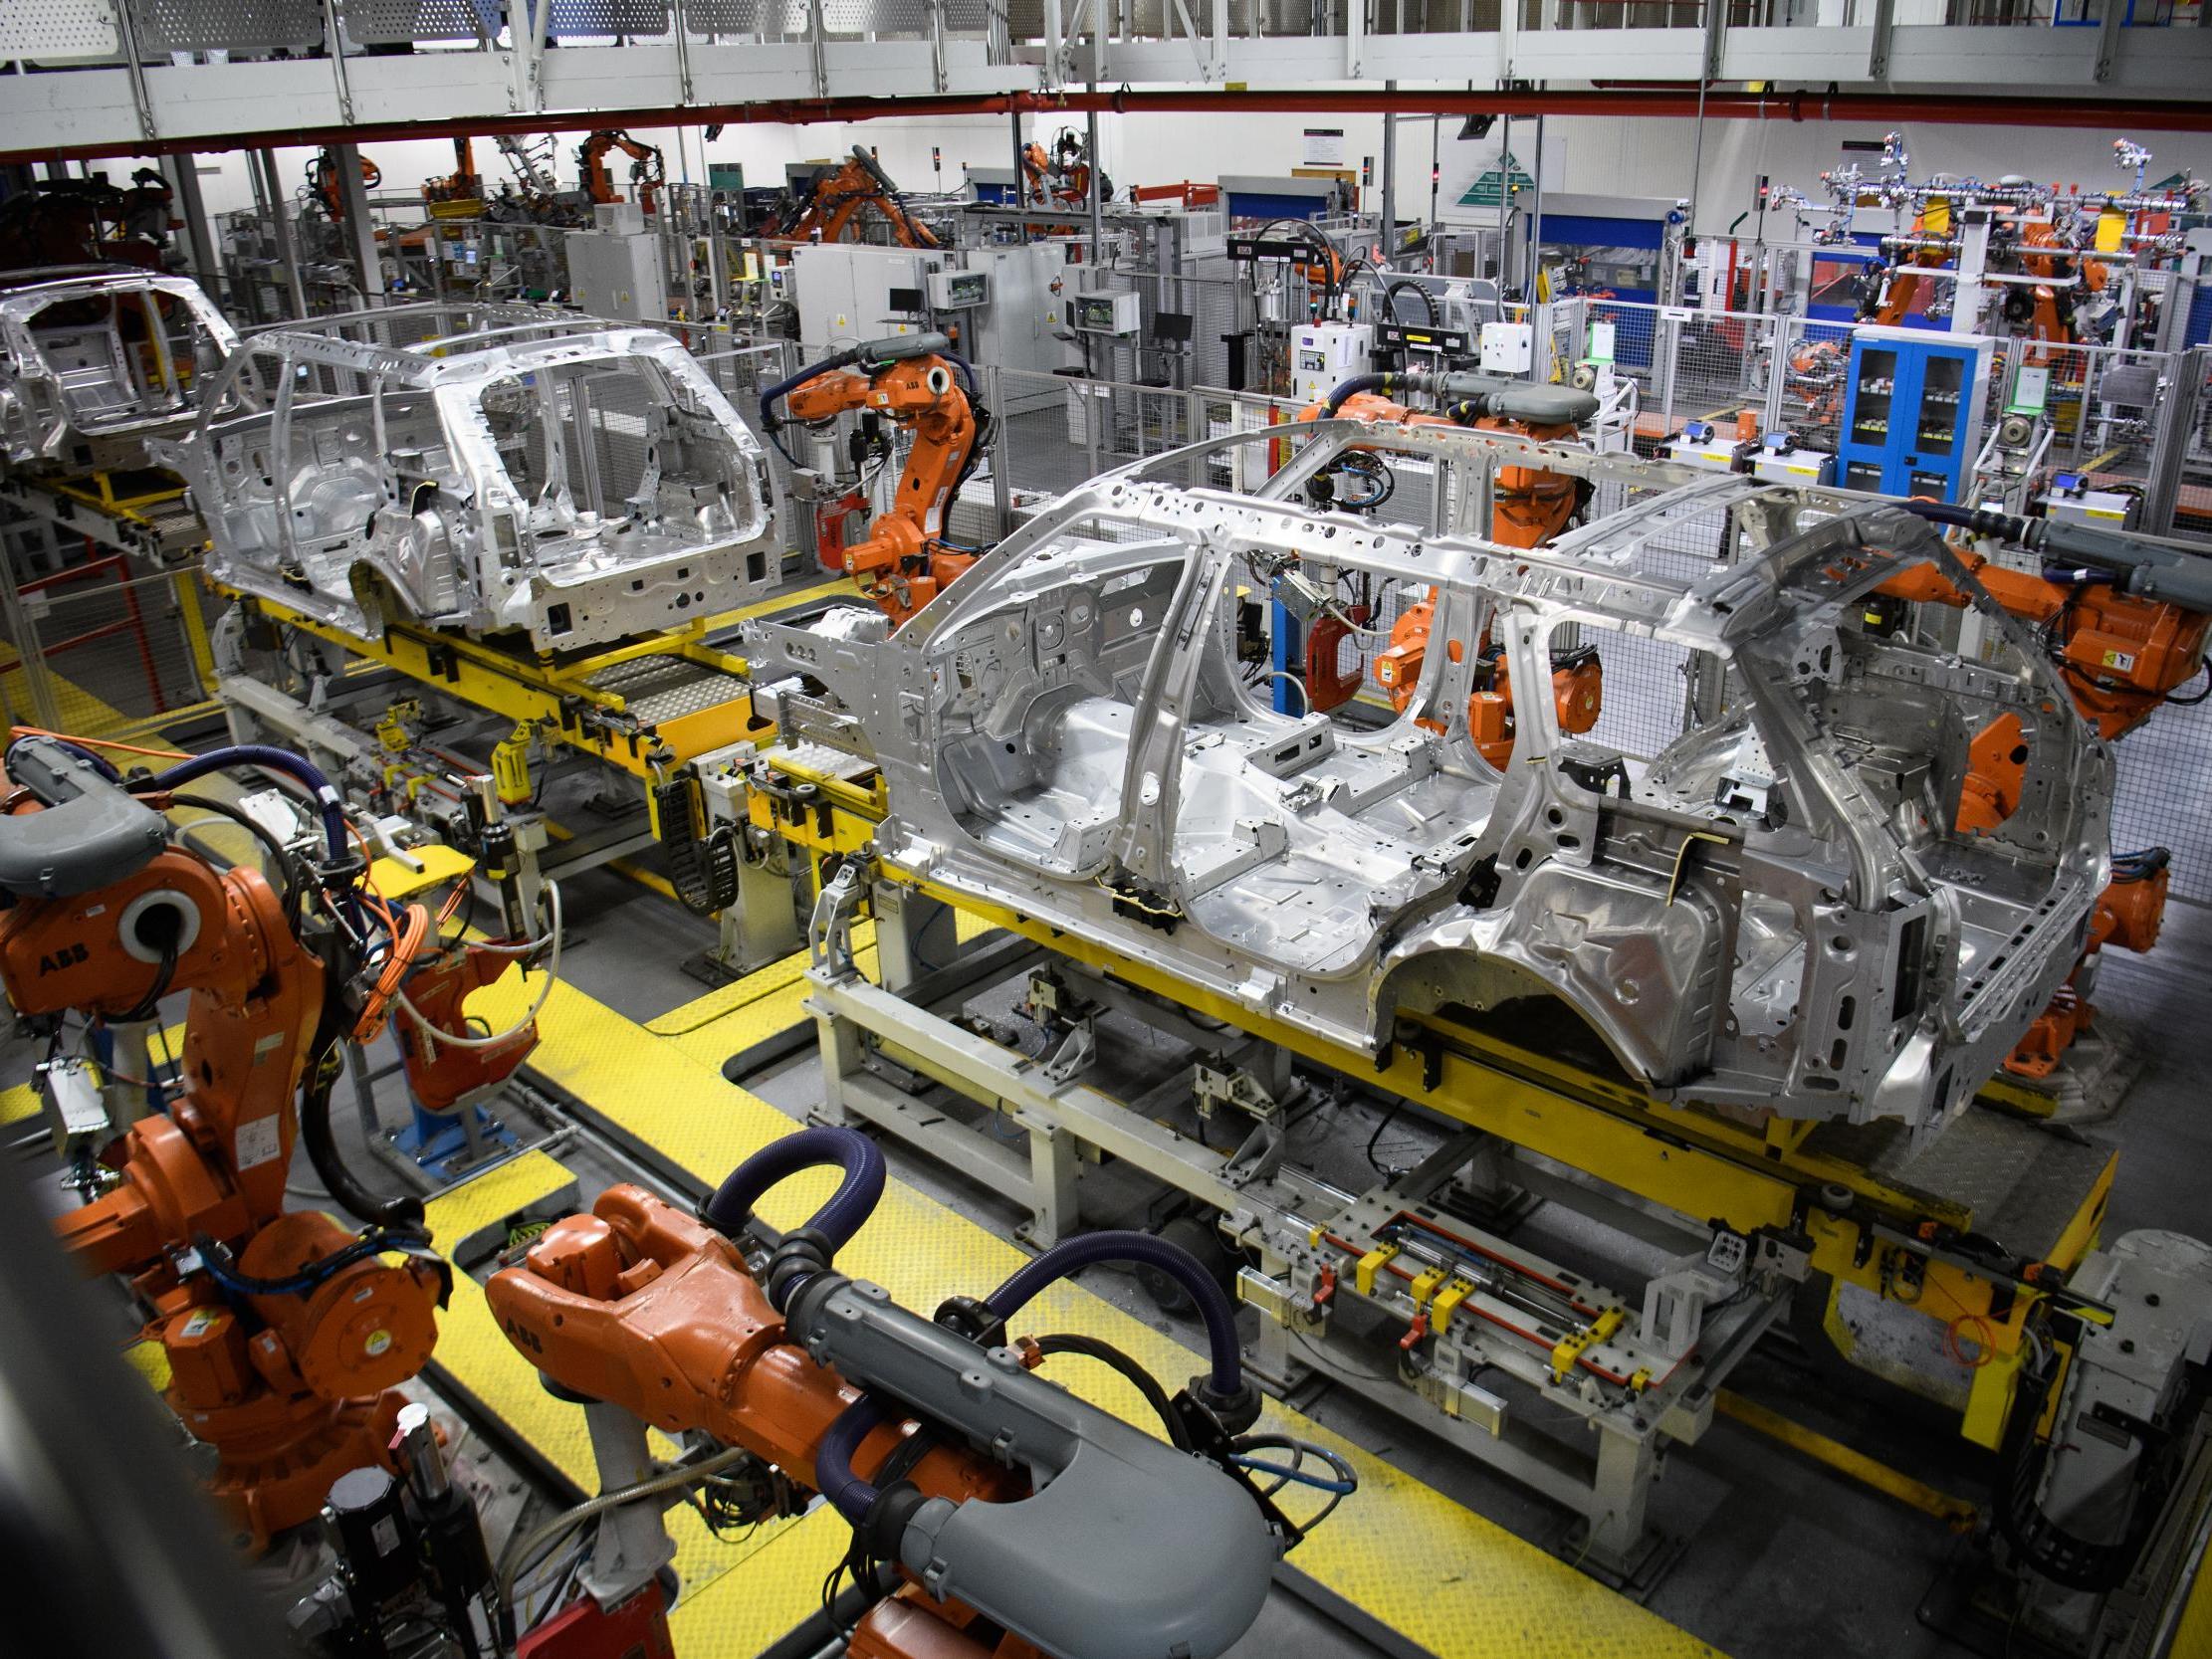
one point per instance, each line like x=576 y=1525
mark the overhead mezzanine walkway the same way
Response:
x=106 y=77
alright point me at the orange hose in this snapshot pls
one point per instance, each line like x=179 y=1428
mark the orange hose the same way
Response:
x=412 y=930
x=100 y=743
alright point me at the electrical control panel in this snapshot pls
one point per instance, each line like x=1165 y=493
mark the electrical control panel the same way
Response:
x=959 y=291
x=1099 y=313
x=1324 y=354
x=1508 y=348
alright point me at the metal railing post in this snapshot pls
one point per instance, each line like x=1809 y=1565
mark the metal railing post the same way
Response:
x=334 y=39
x=2170 y=444
x=683 y=62
x=127 y=26
x=1001 y=451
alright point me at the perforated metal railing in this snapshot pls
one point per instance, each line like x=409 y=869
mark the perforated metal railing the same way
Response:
x=53 y=33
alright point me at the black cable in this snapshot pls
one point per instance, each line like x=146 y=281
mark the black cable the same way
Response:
x=403 y=1212
x=984 y=421
x=1428 y=299
x=149 y=1004
x=279 y=867
x=2192 y=702
x=1389 y=1118
x=1306 y=231
x=225 y=1272
x=1345 y=276
x=1138 y=1377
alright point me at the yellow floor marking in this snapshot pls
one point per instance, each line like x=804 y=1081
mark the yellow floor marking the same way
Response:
x=763 y=1004
x=1477 y=1592
x=393 y=878
x=150 y=1360
x=768 y=1001
x=1854 y=1464
x=2194 y=1633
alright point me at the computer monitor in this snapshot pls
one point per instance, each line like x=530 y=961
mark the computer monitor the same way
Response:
x=906 y=299
x=1172 y=325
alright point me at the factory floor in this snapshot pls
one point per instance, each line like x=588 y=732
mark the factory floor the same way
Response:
x=1780 y=1556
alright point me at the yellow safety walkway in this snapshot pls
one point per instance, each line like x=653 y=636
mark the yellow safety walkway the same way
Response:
x=1406 y=1555
x=770 y=1000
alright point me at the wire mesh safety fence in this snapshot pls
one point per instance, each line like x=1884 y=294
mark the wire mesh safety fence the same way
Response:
x=2191 y=422
x=91 y=648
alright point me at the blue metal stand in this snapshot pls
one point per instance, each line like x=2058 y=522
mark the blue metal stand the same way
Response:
x=448 y=1144
x=1286 y=656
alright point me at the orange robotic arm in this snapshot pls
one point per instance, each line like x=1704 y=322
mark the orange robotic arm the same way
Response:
x=839 y=199
x=1030 y=1523
x=903 y=565
x=647 y=173
x=215 y=1164
x=329 y=185
x=283 y=1332
x=704 y=1351
x=2121 y=655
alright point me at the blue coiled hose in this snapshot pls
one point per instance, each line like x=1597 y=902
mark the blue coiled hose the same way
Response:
x=833 y=1477
x=730 y=1208
x=273 y=760
x=811 y=1149
x=1142 y=1250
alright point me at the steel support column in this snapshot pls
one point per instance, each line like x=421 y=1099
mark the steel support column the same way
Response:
x=280 y=215
x=361 y=229
x=184 y=173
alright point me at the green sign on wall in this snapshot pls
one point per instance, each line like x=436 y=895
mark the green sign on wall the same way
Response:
x=1490 y=188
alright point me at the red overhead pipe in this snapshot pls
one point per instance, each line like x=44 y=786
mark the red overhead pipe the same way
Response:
x=1953 y=108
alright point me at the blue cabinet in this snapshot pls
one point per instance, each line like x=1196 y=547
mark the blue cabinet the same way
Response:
x=1913 y=408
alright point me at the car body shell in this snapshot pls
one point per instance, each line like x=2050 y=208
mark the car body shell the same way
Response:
x=1773 y=912
x=97 y=361
x=510 y=471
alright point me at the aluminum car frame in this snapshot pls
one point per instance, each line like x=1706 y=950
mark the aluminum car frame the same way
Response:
x=1540 y=814
x=496 y=584
x=40 y=423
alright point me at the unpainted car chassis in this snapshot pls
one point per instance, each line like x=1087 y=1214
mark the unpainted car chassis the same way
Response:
x=487 y=470
x=1774 y=913
x=96 y=360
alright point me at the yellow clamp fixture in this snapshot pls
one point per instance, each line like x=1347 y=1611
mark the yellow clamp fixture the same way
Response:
x=1447 y=1302
x=1363 y=1275
x=1571 y=1349
x=1426 y=1284
x=511 y=765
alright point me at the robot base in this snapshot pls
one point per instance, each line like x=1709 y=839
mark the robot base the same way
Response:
x=278 y=1455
